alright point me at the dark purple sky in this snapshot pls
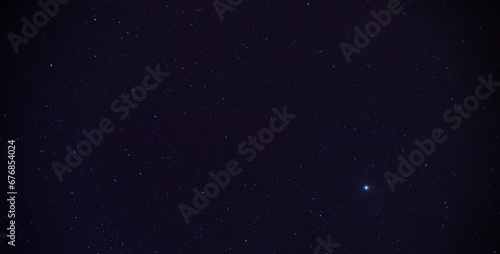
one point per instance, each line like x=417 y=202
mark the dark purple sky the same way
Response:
x=323 y=174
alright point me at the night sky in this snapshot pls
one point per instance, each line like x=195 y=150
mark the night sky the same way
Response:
x=292 y=131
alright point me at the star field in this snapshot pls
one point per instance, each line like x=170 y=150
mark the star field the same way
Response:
x=160 y=99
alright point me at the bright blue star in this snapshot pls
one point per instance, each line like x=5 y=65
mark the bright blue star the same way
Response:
x=366 y=187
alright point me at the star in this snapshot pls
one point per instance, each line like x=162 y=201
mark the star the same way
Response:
x=366 y=187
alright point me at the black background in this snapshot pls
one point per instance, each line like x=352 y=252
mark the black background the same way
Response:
x=353 y=121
